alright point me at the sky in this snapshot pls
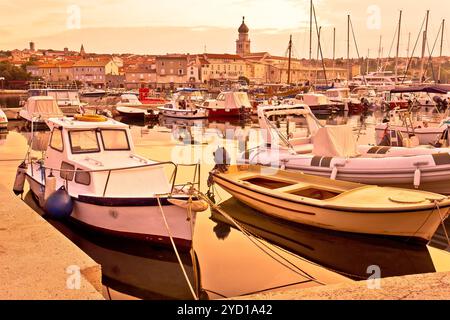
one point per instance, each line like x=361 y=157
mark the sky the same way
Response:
x=196 y=26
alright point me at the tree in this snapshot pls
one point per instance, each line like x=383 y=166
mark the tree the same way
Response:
x=11 y=72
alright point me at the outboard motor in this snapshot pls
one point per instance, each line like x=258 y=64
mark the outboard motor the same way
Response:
x=222 y=161
x=19 y=182
x=439 y=103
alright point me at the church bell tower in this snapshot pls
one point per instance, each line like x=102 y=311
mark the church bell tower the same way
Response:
x=243 y=42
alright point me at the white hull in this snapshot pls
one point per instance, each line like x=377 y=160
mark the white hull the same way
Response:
x=136 y=222
x=425 y=135
x=390 y=169
x=184 y=113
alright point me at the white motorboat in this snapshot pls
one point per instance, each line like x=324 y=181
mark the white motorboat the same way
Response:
x=3 y=121
x=319 y=103
x=136 y=113
x=336 y=205
x=332 y=152
x=66 y=95
x=184 y=105
x=342 y=96
x=108 y=187
x=427 y=130
x=37 y=110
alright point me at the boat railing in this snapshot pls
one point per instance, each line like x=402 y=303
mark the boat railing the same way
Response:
x=175 y=187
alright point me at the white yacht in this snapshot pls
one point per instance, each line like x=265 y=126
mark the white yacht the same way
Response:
x=382 y=81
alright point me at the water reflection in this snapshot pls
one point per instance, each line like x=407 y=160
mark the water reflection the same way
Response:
x=349 y=255
x=130 y=267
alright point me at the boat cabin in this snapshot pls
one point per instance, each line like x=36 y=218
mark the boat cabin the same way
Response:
x=98 y=158
x=338 y=93
x=230 y=100
x=129 y=99
x=312 y=99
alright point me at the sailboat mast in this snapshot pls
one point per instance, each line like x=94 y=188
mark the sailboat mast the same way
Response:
x=310 y=30
x=440 y=52
x=348 y=47
x=379 y=54
x=398 y=45
x=424 y=45
x=334 y=50
x=289 y=61
x=409 y=43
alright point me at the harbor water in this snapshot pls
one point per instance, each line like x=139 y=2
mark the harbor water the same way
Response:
x=224 y=261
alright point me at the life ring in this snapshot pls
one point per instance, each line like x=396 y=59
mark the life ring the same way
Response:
x=90 y=118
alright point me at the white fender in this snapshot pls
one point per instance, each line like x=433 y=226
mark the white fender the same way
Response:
x=50 y=186
x=417 y=176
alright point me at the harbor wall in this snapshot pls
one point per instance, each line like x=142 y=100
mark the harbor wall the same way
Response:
x=431 y=286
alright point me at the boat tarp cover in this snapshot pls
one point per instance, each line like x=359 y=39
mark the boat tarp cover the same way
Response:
x=237 y=100
x=437 y=88
x=335 y=141
x=48 y=106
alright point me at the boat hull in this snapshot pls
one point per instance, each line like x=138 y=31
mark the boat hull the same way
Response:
x=228 y=113
x=420 y=225
x=139 y=219
x=185 y=114
x=426 y=136
x=392 y=170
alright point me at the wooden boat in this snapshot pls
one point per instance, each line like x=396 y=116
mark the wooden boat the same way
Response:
x=336 y=205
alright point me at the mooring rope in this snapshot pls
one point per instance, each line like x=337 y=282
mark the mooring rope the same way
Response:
x=176 y=250
x=436 y=202
x=258 y=243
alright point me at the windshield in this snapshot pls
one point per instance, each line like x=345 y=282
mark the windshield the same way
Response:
x=84 y=141
x=115 y=140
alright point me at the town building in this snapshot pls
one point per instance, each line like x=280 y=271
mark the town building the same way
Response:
x=171 y=70
x=93 y=72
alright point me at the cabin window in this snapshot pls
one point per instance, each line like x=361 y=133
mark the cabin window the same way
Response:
x=83 y=177
x=56 y=141
x=115 y=140
x=67 y=175
x=84 y=141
